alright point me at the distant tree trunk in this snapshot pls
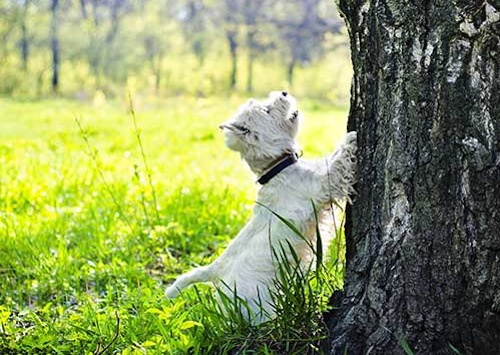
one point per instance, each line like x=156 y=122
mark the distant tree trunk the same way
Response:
x=251 y=58
x=95 y=12
x=24 y=37
x=94 y=50
x=194 y=26
x=157 y=69
x=115 y=23
x=233 y=51
x=109 y=40
x=423 y=236
x=83 y=9
x=253 y=12
x=290 y=69
x=54 y=34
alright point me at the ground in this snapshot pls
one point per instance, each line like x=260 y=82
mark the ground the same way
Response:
x=84 y=253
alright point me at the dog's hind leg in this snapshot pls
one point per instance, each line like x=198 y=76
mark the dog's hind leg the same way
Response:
x=201 y=274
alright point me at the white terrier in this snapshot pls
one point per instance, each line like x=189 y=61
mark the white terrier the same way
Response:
x=264 y=134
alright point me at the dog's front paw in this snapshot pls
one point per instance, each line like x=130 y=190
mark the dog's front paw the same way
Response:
x=349 y=147
x=351 y=140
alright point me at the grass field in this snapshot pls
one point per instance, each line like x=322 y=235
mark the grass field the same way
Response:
x=92 y=227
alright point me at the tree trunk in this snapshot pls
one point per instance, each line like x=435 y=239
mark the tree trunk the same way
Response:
x=94 y=51
x=83 y=9
x=290 y=70
x=233 y=51
x=423 y=236
x=251 y=57
x=54 y=42
x=109 y=40
x=24 y=37
x=157 y=70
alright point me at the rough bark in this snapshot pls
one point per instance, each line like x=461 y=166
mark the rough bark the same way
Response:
x=423 y=236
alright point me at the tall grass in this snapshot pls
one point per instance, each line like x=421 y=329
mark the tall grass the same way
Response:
x=300 y=297
x=85 y=250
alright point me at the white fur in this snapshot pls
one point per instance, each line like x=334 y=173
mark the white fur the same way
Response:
x=263 y=132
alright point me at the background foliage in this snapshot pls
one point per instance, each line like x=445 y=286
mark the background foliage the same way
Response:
x=167 y=47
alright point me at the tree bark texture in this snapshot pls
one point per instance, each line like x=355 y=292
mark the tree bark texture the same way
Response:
x=423 y=235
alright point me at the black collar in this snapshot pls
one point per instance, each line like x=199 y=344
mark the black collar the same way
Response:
x=284 y=163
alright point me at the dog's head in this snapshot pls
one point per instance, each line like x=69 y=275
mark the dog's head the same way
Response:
x=264 y=130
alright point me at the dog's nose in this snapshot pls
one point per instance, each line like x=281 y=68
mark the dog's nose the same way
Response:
x=221 y=126
x=284 y=93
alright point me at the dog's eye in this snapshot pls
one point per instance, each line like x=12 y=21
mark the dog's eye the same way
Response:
x=244 y=130
x=268 y=110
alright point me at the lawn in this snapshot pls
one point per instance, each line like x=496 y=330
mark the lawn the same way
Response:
x=98 y=214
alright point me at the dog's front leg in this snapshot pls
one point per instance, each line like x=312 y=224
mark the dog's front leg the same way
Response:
x=341 y=169
x=200 y=274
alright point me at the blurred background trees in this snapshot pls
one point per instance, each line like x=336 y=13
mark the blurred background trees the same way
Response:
x=81 y=48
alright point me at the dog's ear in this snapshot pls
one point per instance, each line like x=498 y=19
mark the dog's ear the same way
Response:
x=294 y=117
x=292 y=123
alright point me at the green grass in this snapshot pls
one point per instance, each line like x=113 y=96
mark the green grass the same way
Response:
x=84 y=252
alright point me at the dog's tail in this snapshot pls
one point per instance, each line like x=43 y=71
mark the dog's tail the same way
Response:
x=201 y=274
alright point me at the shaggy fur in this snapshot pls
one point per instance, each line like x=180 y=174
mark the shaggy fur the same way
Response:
x=263 y=133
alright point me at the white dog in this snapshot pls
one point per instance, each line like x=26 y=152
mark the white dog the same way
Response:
x=264 y=134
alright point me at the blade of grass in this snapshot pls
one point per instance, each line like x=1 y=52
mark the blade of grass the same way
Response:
x=143 y=155
x=94 y=156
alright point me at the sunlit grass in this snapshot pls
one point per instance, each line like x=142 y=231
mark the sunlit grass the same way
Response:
x=79 y=239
